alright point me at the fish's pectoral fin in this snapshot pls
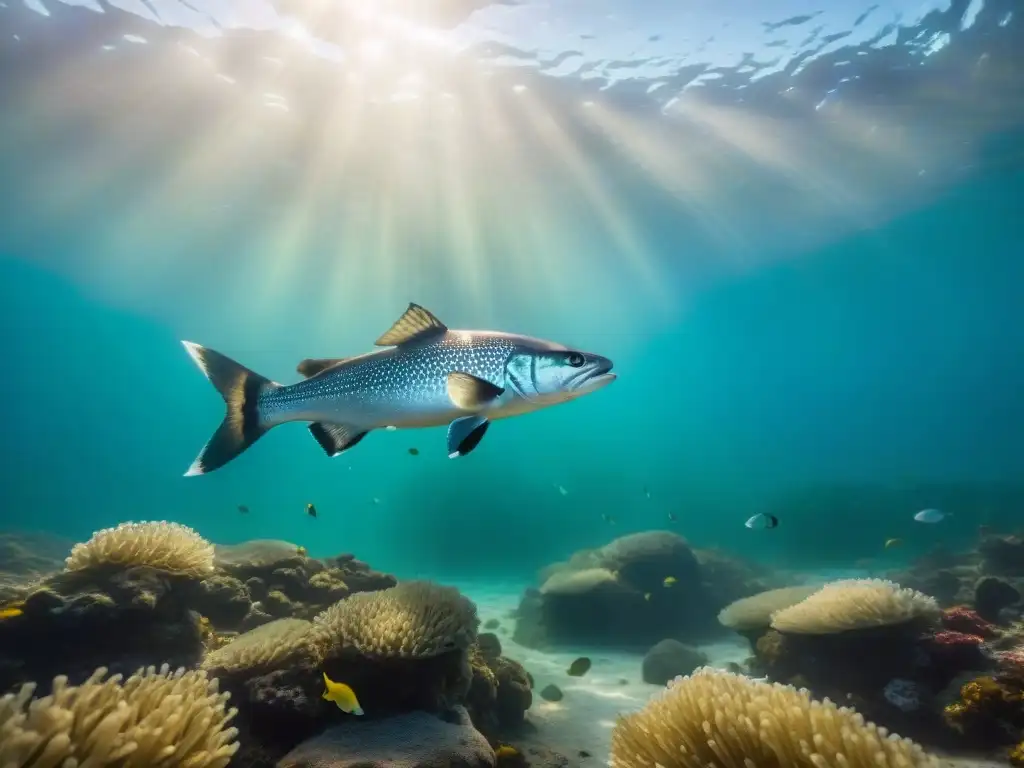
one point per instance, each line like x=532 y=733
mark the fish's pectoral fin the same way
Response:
x=465 y=434
x=470 y=392
x=335 y=438
x=415 y=324
x=311 y=366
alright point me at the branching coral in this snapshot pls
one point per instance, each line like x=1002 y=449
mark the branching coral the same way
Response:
x=270 y=646
x=416 y=619
x=166 y=546
x=855 y=604
x=715 y=719
x=755 y=612
x=171 y=720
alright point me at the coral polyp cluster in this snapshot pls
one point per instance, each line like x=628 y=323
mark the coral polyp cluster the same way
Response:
x=961 y=618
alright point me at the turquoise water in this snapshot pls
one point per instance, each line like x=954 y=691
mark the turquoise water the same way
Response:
x=808 y=278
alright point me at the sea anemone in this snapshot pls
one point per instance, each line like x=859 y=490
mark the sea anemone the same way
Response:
x=152 y=718
x=414 y=620
x=852 y=604
x=716 y=719
x=169 y=547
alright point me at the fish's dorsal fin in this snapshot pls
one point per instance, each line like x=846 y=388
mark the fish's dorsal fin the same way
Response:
x=311 y=366
x=415 y=324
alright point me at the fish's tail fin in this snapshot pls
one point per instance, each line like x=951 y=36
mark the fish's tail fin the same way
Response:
x=242 y=426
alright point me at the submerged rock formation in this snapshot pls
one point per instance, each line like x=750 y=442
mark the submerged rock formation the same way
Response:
x=633 y=592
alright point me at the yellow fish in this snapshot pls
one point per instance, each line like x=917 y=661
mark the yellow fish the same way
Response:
x=669 y=581
x=10 y=613
x=341 y=695
x=506 y=751
x=893 y=543
x=300 y=551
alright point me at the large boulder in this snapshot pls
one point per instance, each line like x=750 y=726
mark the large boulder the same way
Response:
x=669 y=659
x=413 y=740
x=644 y=560
x=634 y=591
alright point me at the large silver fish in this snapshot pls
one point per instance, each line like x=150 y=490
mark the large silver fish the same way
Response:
x=431 y=376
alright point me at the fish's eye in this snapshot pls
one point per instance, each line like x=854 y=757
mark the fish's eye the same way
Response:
x=575 y=359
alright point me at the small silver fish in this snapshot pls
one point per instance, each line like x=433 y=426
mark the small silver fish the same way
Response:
x=762 y=520
x=431 y=376
x=931 y=516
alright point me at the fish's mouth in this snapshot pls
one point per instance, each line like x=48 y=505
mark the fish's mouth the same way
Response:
x=598 y=376
x=595 y=383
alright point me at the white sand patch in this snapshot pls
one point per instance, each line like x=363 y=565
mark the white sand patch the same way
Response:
x=584 y=718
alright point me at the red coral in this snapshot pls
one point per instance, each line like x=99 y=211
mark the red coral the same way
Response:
x=948 y=637
x=962 y=619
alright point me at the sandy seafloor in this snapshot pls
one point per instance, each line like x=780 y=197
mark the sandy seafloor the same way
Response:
x=583 y=720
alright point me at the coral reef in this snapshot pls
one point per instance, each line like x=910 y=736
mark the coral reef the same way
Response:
x=501 y=690
x=263 y=622
x=261 y=580
x=653 y=583
x=715 y=718
x=144 y=594
x=907 y=652
x=170 y=719
x=124 y=619
x=988 y=711
x=990 y=576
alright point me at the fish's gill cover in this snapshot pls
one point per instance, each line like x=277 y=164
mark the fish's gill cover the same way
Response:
x=155 y=717
x=851 y=604
x=270 y=646
x=720 y=719
x=577 y=582
x=166 y=546
x=755 y=612
x=413 y=620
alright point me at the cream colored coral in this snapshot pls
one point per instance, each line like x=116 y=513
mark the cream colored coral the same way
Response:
x=270 y=646
x=415 y=619
x=577 y=582
x=168 y=546
x=755 y=612
x=159 y=719
x=716 y=719
x=855 y=604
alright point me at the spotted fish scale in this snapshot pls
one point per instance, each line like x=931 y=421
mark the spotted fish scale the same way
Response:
x=400 y=387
